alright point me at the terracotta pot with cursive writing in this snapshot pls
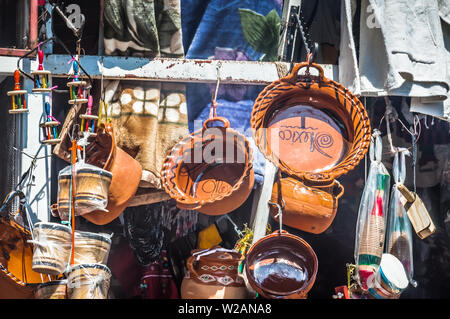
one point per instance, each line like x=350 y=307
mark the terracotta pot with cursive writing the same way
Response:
x=314 y=130
x=309 y=206
x=309 y=126
x=210 y=170
x=214 y=274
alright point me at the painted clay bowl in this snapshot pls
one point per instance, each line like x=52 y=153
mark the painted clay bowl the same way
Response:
x=210 y=170
x=213 y=274
x=309 y=126
x=281 y=266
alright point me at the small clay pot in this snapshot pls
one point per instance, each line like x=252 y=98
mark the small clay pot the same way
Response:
x=210 y=170
x=91 y=248
x=309 y=126
x=213 y=274
x=309 y=206
x=56 y=289
x=88 y=281
x=281 y=266
x=52 y=246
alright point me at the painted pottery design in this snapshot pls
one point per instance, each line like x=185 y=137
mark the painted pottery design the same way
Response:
x=213 y=274
x=281 y=266
x=210 y=170
x=56 y=289
x=88 y=281
x=309 y=126
x=52 y=246
x=309 y=206
x=126 y=174
x=91 y=248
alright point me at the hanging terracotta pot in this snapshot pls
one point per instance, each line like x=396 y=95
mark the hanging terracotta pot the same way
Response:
x=314 y=130
x=281 y=266
x=309 y=206
x=213 y=274
x=210 y=170
x=309 y=126
x=126 y=174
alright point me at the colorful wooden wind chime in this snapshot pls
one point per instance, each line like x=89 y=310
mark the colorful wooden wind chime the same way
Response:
x=49 y=127
x=89 y=121
x=18 y=97
x=77 y=88
x=41 y=76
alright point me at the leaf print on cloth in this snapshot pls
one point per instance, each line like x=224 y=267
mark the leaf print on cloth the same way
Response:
x=262 y=32
x=143 y=28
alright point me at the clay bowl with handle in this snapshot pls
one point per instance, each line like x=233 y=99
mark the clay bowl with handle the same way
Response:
x=210 y=170
x=309 y=126
x=281 y=266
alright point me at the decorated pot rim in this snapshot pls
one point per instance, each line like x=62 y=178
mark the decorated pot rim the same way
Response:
x=172 y=165
x=350 y=104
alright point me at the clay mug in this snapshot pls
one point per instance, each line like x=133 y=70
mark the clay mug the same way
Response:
x=310 y=206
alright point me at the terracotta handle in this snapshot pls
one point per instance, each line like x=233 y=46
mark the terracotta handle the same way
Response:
x=190 y=266
x=226 y=123
x=293 y=76
x=188 y=206
x=341 y=190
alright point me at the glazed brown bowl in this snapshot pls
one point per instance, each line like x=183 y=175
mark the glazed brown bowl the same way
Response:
x=281 y=266
x=210 y=170
x=309 y=126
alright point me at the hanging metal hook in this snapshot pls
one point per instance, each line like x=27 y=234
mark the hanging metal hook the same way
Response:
x=279 y=215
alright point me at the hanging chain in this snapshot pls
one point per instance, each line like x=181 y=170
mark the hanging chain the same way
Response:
x=300 y=27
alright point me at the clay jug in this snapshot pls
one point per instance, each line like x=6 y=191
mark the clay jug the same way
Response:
x=310 y=206
x=213 y=274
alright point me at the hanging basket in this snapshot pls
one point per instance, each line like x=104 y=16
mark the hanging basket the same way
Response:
x=210 y=170
x=309 y=126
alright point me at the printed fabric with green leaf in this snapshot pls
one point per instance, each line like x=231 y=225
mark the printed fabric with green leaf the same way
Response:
x=261 y=32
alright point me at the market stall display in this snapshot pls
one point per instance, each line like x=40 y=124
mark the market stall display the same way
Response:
x=156 y=196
